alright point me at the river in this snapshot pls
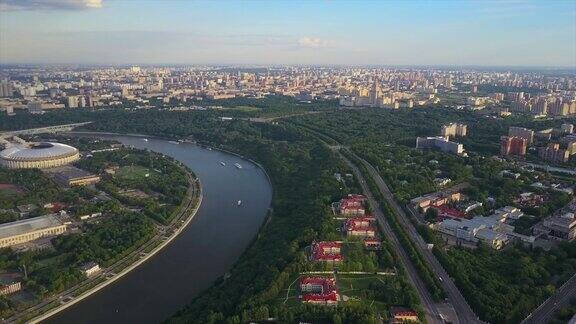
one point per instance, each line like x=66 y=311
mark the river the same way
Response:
x=204 y=251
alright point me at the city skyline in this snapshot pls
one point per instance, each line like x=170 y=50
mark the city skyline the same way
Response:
x=482 y=33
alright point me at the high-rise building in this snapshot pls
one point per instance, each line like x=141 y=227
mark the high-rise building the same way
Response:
x=374 y=94
x=72 y=102
x=541 y=107
x=554 y=153
x=453 y=130
x=5 y=89
x=522 y=132
x=511 y=145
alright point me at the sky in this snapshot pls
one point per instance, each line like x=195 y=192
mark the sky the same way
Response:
x=327 y=32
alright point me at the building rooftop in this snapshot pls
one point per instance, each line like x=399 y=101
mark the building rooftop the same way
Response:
x=69 y=173
x=29 y=225
x=37 y=151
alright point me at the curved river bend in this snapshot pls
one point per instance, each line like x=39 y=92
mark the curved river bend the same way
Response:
x=205 y=250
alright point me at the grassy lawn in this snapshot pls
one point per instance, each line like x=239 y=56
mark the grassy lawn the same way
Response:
x=292 y=292
x=133 y=173
x=8 y=191
x=354 y=282
x=53 y=261
x=351 y=285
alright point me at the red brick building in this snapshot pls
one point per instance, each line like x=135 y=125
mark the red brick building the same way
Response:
x=352 y=205
x=513 y=146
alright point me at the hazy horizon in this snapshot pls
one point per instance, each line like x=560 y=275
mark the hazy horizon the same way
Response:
x=515 y=34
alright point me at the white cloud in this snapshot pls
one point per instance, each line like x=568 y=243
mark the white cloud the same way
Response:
x=314 y=42
x=14 y=5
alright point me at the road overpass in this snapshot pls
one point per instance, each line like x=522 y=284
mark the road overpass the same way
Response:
x=43 y=130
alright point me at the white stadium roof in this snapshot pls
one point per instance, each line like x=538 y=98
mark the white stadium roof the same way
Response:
x=37 y=151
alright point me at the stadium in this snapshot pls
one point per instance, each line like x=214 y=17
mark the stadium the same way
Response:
x=38 y=155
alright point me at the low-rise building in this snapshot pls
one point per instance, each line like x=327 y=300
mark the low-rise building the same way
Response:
x=485 y=229
x=507 y=212
x=436 y=199
x=326 y=251
x=9 y=285
x=360 y=226
x=89 y=269
x=319 y=290
x=560 y=227
x=26 y=230
x=440 y=143
x=402 y=315
x=352 y=205
x=372 y=243
x=71 y=176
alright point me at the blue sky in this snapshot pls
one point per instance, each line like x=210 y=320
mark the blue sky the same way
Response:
x=491 y=33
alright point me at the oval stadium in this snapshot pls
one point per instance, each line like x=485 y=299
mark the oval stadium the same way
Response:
x=38 y=155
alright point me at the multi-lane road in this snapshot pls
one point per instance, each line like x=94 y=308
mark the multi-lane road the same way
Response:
x=430 y=309
x=457 y=302
x=562 y=297
x=464 y=312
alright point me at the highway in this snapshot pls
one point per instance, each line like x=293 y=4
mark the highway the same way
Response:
x=463 y=310
x=430 y=309
x=561 y=297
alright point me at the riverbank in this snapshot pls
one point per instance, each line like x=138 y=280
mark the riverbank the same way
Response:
x=164 y=236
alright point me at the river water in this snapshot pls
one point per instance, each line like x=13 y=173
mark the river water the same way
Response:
x=204 y=251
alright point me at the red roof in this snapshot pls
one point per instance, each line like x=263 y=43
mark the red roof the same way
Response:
x=360 y=224
x=353 y=227
x=333 y=297
x=326 y=245
x=328 y=293
x=352 y=201
x=445 y=211
x=317 y=281
x=403 y=312
x=56 y=207
x=321 y=251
